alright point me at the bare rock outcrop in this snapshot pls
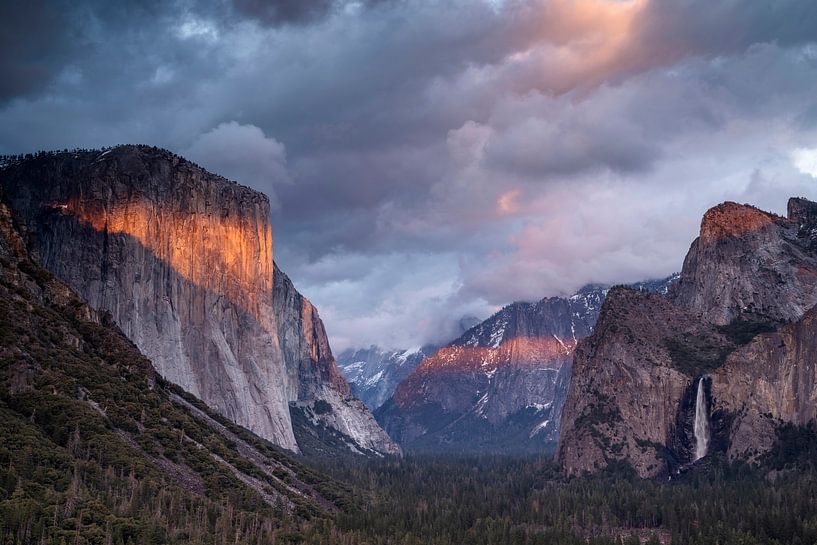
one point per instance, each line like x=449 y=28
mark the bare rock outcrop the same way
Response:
x=630 y=377
x=313 y=381
x=751 y=265
x=771 y=380
x=740 y=325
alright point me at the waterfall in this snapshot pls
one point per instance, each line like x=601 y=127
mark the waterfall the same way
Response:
x=701 y=422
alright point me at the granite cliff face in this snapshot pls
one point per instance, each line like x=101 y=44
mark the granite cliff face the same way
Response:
x=630 y=377
x=750 y=265
x=182 y=259
x=314 y=385
x=772 y=379
x=76 y=393
x=734 y=325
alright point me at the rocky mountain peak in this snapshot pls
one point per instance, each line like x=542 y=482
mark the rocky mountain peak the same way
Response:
x=731 y=345
x=803 y=211
x=501 y=385
x=721 y=285
x=729 y=219
x=373 y=373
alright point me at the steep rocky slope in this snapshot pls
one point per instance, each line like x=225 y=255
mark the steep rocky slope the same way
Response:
x=182 y=259
x=751 y=265
x=630 y=378
x=733 y=326
x=315 y=387
x=95 y=446
x=501 y=385
x=374 y=373
x=772 y=379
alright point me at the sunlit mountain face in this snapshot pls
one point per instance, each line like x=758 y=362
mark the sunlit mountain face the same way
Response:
x=192 y=243
x=181 y=261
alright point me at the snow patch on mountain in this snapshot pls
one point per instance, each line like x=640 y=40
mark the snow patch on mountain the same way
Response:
x=373 y=373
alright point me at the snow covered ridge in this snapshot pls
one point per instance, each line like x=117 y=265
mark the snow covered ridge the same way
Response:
x=373 y=372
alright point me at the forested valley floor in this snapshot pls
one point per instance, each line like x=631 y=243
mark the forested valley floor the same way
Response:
x=504 y=501
x=426 y=500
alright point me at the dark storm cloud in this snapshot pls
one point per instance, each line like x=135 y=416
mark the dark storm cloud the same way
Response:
x=420 y=154
x=36 y=39
x=275 y=12
x=704 y=26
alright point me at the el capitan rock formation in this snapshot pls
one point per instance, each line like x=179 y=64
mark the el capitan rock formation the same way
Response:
x=76 y=393
x=182 y=259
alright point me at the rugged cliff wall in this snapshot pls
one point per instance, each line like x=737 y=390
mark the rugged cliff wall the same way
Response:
x=76 y=393
x=314 y=383
x=772 y=379
x=747 y=276
x=750 y=265
x=630 y=377
x=183 y=261
x=181 y=258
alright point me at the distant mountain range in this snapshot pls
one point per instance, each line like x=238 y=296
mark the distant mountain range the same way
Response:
x=139 y=242
x=501 y=385
x=373 y=373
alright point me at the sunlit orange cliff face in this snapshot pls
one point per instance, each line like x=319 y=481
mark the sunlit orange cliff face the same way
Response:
x=182 y=260
x=519 y=353
x=229 y=254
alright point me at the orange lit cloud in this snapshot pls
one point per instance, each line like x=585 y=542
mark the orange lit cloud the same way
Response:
x=581 y=44
x=507 y=203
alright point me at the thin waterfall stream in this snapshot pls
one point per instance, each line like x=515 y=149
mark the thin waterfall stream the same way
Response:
x=701 y=422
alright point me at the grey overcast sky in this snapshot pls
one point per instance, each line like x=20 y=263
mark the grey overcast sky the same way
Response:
x=428 y=160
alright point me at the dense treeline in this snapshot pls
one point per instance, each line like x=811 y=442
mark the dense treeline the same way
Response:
x=89 y=154
x=68 y=474
x=497 y=501
x=64 y=483
x=513 y=501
